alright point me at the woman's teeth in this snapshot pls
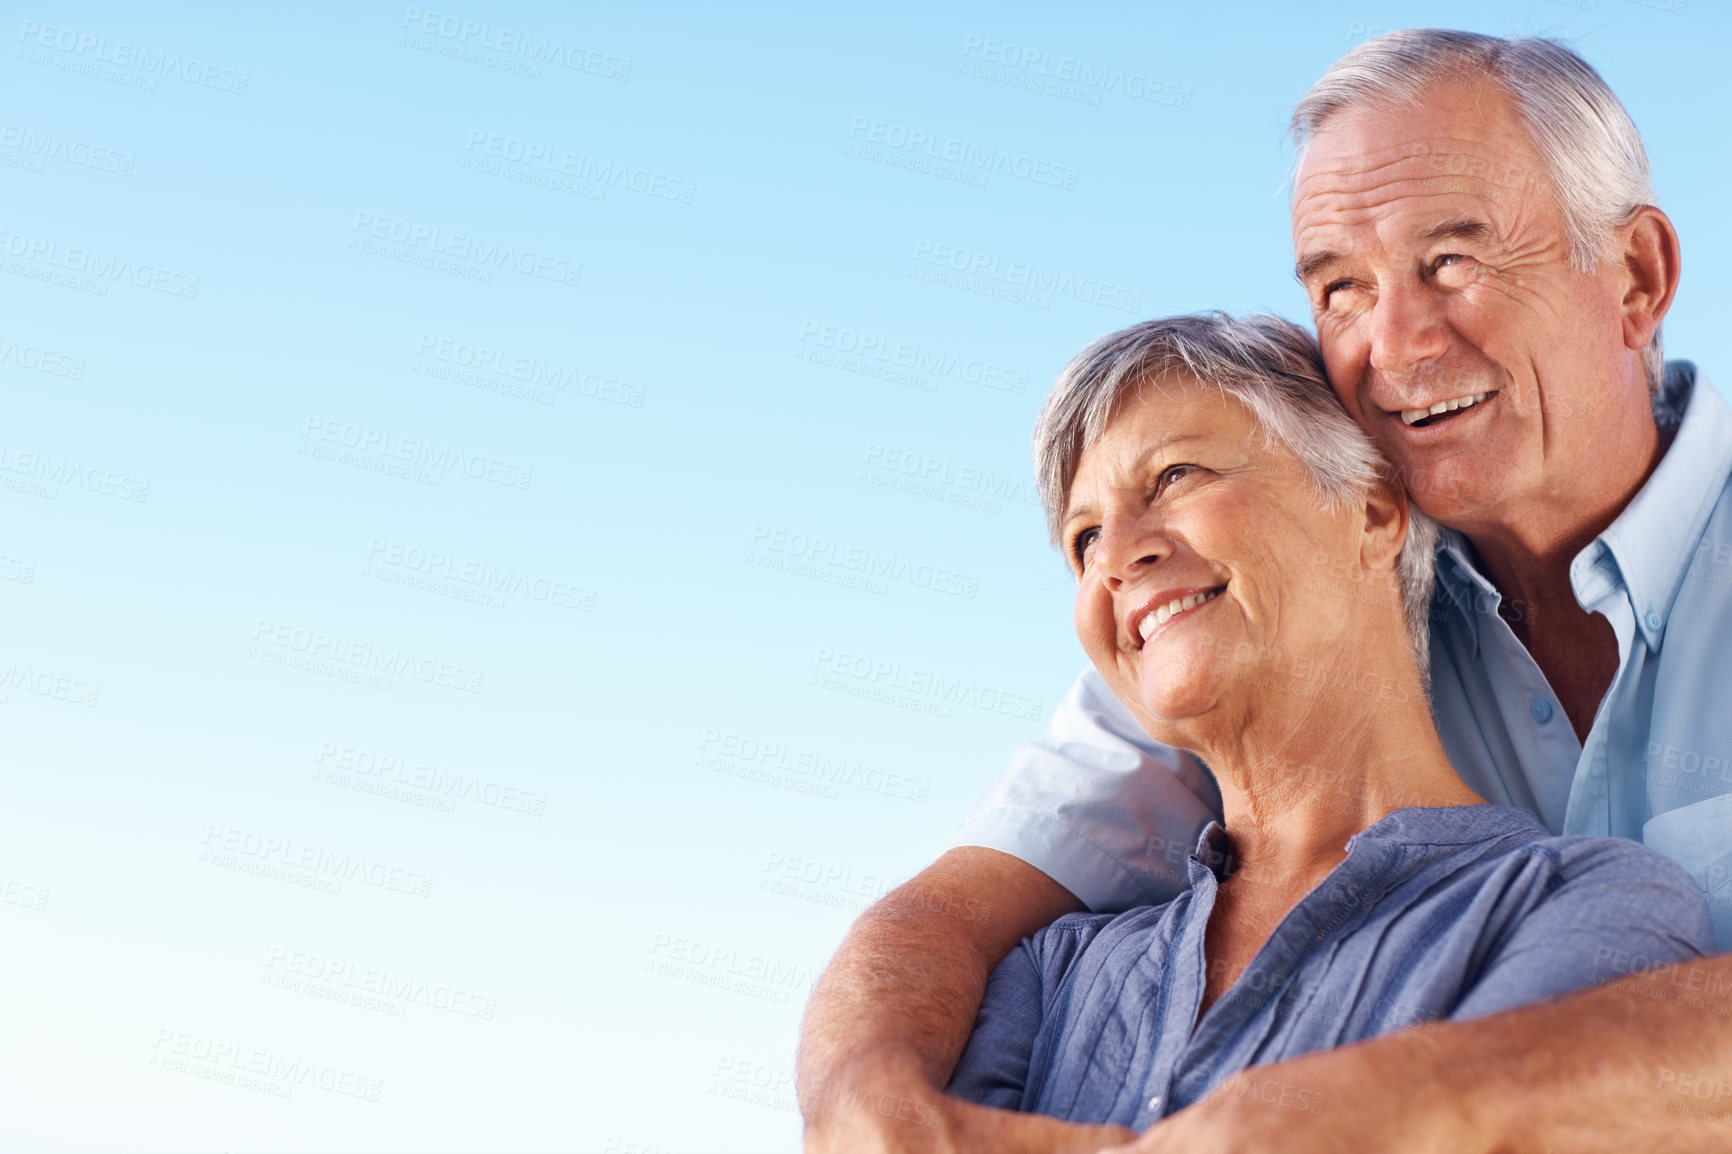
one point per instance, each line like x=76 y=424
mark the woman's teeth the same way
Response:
x=1161 y=616
x=1414 y=416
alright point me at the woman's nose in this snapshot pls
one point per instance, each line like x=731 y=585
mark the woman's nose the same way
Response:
x=1126 y=548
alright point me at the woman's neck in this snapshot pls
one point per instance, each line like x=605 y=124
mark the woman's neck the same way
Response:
x=1299 y=775
x=1298 y=778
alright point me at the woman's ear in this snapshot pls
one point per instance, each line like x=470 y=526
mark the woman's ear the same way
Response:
x=1385 y=526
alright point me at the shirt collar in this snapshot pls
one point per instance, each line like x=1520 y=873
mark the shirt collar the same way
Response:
x=1649 y=547
x=1654 y=539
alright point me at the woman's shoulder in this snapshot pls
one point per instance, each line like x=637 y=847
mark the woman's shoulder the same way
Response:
x=1584 y=858
x=1493 y=832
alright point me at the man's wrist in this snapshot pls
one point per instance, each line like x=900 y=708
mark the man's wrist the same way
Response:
x=1454 y=1093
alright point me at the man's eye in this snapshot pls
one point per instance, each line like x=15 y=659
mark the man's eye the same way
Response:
x=1334 y=287
x=1082 y=544
x=1447 y=259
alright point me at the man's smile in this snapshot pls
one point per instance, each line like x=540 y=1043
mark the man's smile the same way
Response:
x=1442 y=410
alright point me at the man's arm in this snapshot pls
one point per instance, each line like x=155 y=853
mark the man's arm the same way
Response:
x=1642 y=1064
x=894 y=1008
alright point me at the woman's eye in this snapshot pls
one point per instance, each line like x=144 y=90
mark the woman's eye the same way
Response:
x=1084 y=542
x=1175 y=472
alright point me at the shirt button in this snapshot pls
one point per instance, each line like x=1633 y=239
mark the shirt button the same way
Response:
x=1155 y=1102
x=1541 y=710
x=1653 y=619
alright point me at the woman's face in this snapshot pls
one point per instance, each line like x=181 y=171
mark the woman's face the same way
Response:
x=1208 y=566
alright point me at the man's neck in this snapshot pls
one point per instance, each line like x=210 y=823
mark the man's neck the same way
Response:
x=1528 y=558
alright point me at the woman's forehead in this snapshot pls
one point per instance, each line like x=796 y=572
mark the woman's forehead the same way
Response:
x=1171 y=404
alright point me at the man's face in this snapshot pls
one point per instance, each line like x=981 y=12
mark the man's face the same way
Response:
x=1433 y=251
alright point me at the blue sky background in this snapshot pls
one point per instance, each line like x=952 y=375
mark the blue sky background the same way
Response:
x=512 y=799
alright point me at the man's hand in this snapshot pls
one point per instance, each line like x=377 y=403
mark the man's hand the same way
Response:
x=1640 y=1064
x=901 y=1113
x=1360 y=1099
x=895 y=1006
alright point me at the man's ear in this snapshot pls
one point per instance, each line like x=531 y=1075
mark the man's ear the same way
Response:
x=1385 y=507
x=1652 y=266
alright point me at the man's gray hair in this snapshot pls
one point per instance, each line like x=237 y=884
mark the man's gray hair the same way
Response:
x=1266 y=363
x=1591 y=150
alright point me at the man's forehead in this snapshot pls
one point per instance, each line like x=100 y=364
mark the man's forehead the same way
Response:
x=1340 y=164
x=1459 y=136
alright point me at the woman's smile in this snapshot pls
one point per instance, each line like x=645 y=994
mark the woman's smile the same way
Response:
x=1164 y=608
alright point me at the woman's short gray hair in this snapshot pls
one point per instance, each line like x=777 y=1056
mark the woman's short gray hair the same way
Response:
x=1584 y=136
x=1266 y=363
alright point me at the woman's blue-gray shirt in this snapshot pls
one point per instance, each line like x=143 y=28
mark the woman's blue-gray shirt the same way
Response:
x=1436 y=913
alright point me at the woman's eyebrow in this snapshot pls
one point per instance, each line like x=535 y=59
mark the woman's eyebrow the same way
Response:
x=1072 y=512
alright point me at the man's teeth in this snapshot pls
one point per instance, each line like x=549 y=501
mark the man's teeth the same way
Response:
x=1161 y=616
x=1410 y=416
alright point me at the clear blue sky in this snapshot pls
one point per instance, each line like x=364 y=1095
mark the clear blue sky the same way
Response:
x=517 y=519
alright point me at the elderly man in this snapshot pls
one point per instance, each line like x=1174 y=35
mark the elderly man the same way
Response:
x=1475 y=228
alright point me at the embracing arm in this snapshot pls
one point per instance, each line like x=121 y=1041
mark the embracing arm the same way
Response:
x=893 y=1011
x=1642 y=1064
x=1112 y=817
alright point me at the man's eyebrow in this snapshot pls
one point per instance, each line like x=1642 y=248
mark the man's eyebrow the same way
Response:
x=1311 y=263
x=1458 y=228
x=1455 y=228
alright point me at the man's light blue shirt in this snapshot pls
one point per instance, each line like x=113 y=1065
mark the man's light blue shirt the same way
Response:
x=1113 y=816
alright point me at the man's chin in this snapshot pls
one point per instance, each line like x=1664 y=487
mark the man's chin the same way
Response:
x=1456 y=486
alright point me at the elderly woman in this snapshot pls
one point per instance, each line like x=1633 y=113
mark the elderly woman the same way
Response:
x=1253 y=585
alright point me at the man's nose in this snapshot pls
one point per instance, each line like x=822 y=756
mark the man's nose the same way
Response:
x=1408 y=329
